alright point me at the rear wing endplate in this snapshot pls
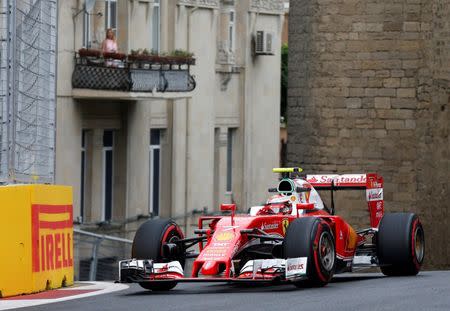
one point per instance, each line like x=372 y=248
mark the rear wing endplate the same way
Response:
x=372 y=183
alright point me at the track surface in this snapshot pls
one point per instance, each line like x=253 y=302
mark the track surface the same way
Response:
x=427 y=291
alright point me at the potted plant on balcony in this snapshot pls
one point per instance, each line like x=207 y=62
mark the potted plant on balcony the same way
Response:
x=145 y=58
x=114 y=55
x=143 y=55
x=181 y=57
x=83 y=52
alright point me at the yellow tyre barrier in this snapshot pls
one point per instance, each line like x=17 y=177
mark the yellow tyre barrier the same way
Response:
x=36 y=238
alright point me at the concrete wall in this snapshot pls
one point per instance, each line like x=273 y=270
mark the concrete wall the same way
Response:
x=200 y=110
x=261 y=111
x=369 y=91
x=238 y=93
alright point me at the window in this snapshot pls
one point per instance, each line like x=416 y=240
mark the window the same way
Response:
x=156 y=26
x=155 y=172
x=83 y=173
x=231 y=30
x=230 y=137
x=87 y=39
x=111 y=14
x=108 y=145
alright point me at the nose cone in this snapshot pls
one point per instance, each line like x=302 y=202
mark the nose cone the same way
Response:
x=210 y=268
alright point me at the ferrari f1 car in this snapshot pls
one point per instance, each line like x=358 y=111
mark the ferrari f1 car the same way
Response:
x=293 y=238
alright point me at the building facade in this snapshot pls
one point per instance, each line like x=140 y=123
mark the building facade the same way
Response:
x=131 y=153
x=369 y=91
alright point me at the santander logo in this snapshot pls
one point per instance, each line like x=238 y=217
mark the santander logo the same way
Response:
x=338 y=179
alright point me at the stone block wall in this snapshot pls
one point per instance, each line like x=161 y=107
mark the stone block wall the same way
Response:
x=369 y=91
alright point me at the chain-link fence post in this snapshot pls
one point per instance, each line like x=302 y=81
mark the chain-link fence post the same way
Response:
x=94 y=262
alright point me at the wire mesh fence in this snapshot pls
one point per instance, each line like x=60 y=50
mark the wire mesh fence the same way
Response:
x=28 y=32
x=4 y=75
x=97 y=256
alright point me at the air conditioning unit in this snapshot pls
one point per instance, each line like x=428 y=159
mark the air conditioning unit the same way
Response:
x=264 y=43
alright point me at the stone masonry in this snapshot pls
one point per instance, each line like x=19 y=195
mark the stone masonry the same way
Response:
x=369 y=92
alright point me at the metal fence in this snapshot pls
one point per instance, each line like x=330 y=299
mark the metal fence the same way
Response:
x=95 y=73
x=28 y=33
x=97 y=256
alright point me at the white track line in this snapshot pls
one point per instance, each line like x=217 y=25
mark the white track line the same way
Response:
x=100 y=287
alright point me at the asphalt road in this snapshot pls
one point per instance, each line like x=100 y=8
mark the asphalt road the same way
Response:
x=427 y=291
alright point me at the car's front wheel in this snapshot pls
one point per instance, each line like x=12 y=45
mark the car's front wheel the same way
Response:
x=312 y=237
x=148 y=244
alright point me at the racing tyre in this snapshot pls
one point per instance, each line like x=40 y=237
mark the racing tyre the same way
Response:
x=312 y=237
x=400 y=244
x=148 y=244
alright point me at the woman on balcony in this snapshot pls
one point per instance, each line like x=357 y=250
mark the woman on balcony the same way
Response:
x=109 y=45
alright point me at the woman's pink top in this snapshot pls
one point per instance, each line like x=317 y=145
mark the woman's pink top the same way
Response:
x=109 y=46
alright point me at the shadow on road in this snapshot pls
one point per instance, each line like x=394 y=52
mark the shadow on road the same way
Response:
x=343 y=279
x=214 y=288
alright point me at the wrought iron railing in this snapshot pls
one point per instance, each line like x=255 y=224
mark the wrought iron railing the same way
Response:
x=97 y=256
x=131 y=75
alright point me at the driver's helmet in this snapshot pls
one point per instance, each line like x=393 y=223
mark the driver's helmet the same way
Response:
x=279 y=204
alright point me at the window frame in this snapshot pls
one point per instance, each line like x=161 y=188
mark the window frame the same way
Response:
x=105 y=150
x=83 y=166
x=230 y=144
x=231 y=30
x=108 y=15
x=153 y=148
x=87 y=23
x=156 y=22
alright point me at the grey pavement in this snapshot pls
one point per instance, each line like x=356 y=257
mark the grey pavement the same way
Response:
x=427 y=291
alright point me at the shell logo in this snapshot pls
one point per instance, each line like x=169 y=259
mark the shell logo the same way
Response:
x=224 y=236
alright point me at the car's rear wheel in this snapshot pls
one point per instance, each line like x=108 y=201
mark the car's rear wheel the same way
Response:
x=148 y=244
x=311 y=237
x=400 y=244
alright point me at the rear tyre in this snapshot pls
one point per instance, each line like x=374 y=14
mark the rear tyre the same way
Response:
x=148 y=244
x=312 y=237
x=400 y=244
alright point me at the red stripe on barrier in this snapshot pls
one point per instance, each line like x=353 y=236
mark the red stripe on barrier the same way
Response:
x=53 y=294
x=54 y=209
x=62 y=224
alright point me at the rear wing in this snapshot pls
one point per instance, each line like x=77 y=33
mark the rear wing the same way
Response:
x=372 y=183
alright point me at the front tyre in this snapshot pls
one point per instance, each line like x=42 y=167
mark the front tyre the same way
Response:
x=148 y=244
x=159 y=286
x=400 y=244
x=311 y=237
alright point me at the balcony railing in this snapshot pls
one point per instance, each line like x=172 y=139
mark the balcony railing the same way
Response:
x=133 y=74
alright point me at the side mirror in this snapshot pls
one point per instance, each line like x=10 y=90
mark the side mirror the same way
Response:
x=229 y=207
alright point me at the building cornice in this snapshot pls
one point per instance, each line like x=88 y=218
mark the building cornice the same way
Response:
x=267 y=6
x=213 y=4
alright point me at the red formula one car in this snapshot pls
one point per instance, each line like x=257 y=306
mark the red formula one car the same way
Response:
x=293 y=238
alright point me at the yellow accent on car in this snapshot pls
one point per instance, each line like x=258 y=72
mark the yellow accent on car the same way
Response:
x=287 y=170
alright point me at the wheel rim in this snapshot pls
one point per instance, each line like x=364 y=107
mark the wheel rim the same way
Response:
x=170 y=236
x=419 y=245
x=326 y=251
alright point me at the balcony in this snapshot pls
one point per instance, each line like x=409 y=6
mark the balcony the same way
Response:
x=131 y=77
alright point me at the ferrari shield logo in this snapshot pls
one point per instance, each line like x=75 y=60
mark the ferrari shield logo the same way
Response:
x=285 y=225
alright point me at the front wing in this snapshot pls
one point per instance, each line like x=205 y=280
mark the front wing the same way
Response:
x=254 y=271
